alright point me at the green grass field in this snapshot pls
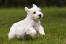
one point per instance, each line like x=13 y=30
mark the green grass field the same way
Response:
x=54 y=22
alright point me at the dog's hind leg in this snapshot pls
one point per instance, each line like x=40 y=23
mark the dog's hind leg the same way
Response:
x=11 y=35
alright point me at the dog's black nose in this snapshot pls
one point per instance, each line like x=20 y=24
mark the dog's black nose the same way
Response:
x=39 y=15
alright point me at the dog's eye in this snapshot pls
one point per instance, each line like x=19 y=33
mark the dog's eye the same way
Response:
x=34 y=12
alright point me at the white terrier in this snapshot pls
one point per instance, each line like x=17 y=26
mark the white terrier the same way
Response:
x=29 y=26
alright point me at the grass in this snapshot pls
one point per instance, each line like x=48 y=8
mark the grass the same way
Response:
x=54 y=23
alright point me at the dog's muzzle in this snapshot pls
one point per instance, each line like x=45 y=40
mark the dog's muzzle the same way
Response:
x=39 y=16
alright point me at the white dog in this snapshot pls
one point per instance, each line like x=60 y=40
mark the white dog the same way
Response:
x=29 y=26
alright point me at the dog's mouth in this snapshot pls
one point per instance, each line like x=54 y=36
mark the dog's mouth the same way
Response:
x=39 y=18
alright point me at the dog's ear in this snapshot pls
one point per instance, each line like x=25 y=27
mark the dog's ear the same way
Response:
x=26 y=9
x=34 y=5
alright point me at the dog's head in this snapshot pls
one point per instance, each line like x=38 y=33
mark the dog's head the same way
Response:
x=34 y=12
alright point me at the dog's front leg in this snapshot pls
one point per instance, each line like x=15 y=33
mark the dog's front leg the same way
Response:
x=31 y=31
x=41 y=30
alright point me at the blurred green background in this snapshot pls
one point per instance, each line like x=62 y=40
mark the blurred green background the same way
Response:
x=54 y=20
x=22 y=3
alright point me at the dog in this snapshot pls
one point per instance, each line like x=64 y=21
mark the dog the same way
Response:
x=29 y=26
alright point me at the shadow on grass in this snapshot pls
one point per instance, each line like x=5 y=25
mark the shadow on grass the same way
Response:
x=29 y=38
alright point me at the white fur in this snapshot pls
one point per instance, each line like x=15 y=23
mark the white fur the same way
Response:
x=29 y=26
